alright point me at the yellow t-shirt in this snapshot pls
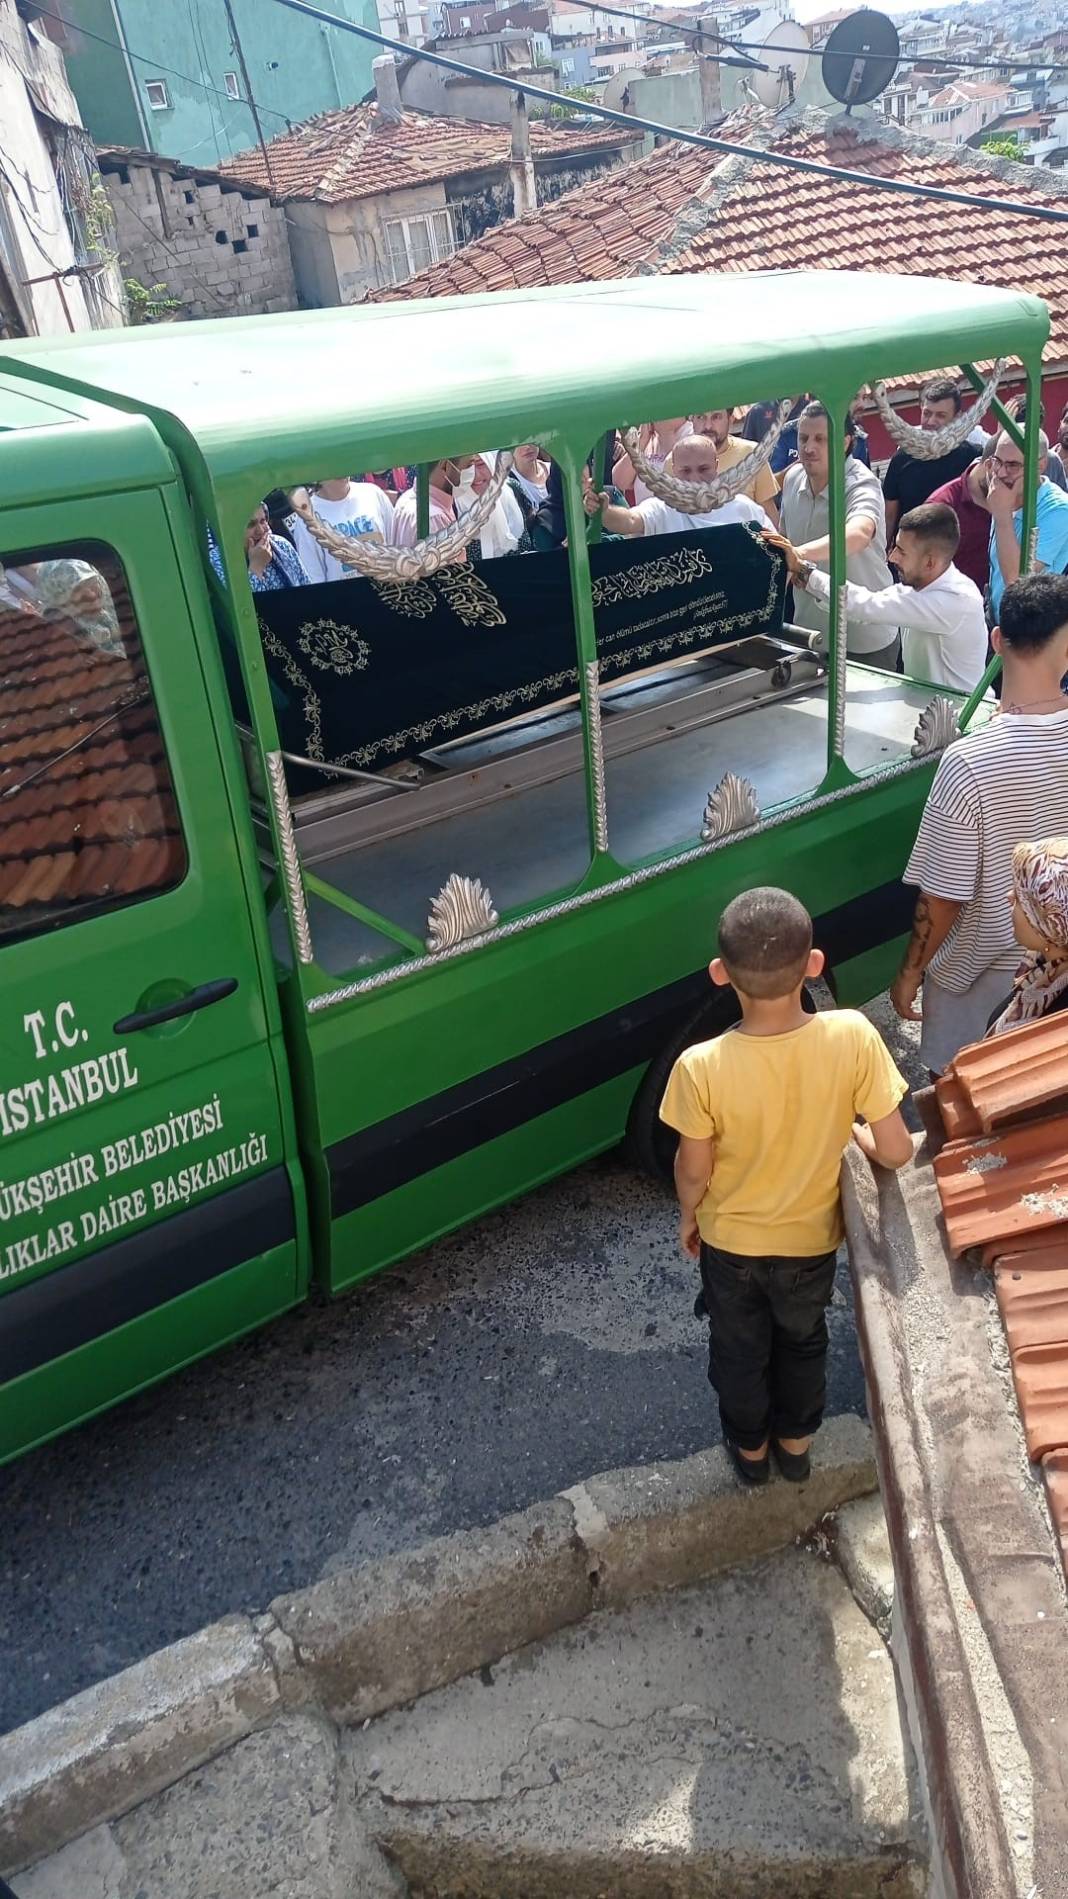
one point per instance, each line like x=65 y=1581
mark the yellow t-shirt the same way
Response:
x=763 y=486
x=780 y=1109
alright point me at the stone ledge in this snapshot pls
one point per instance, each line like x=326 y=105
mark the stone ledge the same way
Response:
x=377 y=1637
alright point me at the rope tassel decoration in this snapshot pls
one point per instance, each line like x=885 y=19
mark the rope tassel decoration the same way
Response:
x=402 y=565
x=927 y=445
x=698 y=497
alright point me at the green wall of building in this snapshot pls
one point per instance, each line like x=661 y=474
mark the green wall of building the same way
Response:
x=297 y=68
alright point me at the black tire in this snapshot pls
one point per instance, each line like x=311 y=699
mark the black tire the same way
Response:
x=782 y=674
x=649 y=1144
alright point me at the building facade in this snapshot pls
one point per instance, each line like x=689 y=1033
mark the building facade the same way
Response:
x=58 y=270
x=168 y=78
x=375 y=193
x=218 y=248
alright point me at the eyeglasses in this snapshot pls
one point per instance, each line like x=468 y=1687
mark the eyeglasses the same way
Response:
x=1007 y=468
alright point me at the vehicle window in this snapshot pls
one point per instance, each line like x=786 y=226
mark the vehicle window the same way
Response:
x=451 y=702
x=88 y=819
x=698 y=678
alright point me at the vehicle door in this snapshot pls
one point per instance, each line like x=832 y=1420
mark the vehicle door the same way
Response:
x=146 y=1212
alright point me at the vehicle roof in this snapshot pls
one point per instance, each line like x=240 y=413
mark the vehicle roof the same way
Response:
x=268 y=398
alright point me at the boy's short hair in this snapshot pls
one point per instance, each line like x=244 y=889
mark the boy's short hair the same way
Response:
x=765 y=940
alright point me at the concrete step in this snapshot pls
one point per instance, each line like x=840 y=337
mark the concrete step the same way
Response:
x=735 y=1740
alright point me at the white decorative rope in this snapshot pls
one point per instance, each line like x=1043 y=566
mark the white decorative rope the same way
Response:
x=926 y=445
x=402 y=565
x=698 y=497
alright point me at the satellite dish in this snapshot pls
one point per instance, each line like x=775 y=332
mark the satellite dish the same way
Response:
x=861 y=57
x=785 y=53
x=613 y=95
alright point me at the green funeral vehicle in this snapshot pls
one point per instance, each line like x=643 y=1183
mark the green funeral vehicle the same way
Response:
x=333 y=915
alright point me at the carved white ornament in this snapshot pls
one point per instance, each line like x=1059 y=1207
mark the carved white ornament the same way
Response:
x=731 y=807
x=402 y=565
x=462 y=908
x=697 y=497
x=937 y=728
x=926 y=445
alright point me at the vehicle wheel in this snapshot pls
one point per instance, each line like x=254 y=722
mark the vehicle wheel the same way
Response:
x=649 y=1144
x=782 y=674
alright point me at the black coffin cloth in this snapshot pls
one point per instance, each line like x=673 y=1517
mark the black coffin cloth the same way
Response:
x=367 y=673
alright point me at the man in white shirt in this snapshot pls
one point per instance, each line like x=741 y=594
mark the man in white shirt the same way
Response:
x=1003 y=783
x=694 y=459
x=804 y=517
x=356 y=509
x=938 y=609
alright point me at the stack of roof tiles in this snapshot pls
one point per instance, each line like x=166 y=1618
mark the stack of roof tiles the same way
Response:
x=87 y=815
x=691 y=210
x=1003 y=1181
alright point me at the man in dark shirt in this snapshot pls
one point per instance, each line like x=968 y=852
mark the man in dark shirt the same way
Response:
x=909 y=482
x=966 y=495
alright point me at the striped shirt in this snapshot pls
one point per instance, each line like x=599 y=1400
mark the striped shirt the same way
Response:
x=993 y=788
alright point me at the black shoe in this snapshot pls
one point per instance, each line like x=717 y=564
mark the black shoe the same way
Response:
x=751 y=1470
x=795 y=1466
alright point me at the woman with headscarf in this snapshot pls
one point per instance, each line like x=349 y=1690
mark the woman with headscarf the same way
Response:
x=1039 y=899
x=75 y=591
x=273 y=561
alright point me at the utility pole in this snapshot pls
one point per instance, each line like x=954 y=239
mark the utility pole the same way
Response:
x=250 y=96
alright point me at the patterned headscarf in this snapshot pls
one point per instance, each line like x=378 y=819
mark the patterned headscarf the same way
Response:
x=1040 y=883
x=58 y=581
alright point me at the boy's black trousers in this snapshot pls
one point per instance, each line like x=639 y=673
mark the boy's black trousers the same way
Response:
x=767 y=1342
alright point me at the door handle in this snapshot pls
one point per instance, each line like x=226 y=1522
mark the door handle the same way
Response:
x=201 y=998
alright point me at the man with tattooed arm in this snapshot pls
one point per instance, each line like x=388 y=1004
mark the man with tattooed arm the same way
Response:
x=1003 y=781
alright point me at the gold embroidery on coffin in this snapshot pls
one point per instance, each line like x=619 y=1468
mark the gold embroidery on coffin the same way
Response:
x=669 y=570
x=313 y=709
x=469 y=597
x=412 y=598
x=334 y=648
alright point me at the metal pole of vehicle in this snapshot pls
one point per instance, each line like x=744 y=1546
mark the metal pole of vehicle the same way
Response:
x=838 y=772
x=422 y=500
x=1032 y=430
x=578 y=563
x=601 y=473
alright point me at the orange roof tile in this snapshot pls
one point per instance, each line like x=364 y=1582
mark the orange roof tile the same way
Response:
x=958 y=1116
x=356 y=153
x=1009 y=1183
x=1034 y=1305
x=1014 y=1073
x=1040 y=1373
x=743 y=215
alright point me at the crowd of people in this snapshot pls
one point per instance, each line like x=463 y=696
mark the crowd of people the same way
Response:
x=930 y=548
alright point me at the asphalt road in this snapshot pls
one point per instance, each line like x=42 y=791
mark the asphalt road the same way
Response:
x=553 y=1339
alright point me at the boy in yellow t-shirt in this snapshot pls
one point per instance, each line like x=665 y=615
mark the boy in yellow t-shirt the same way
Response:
x=764 y=1113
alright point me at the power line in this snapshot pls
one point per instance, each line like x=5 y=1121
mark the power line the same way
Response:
x=723 y=148
x=711 y=31
x=143 y=60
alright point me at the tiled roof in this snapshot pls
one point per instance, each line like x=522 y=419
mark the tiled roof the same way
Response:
x=356 y=153
x=607 y=231
x=100 y=824
x=684 y=210
x=113 y=157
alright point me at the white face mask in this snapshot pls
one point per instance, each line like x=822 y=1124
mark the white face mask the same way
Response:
x=466 y=481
